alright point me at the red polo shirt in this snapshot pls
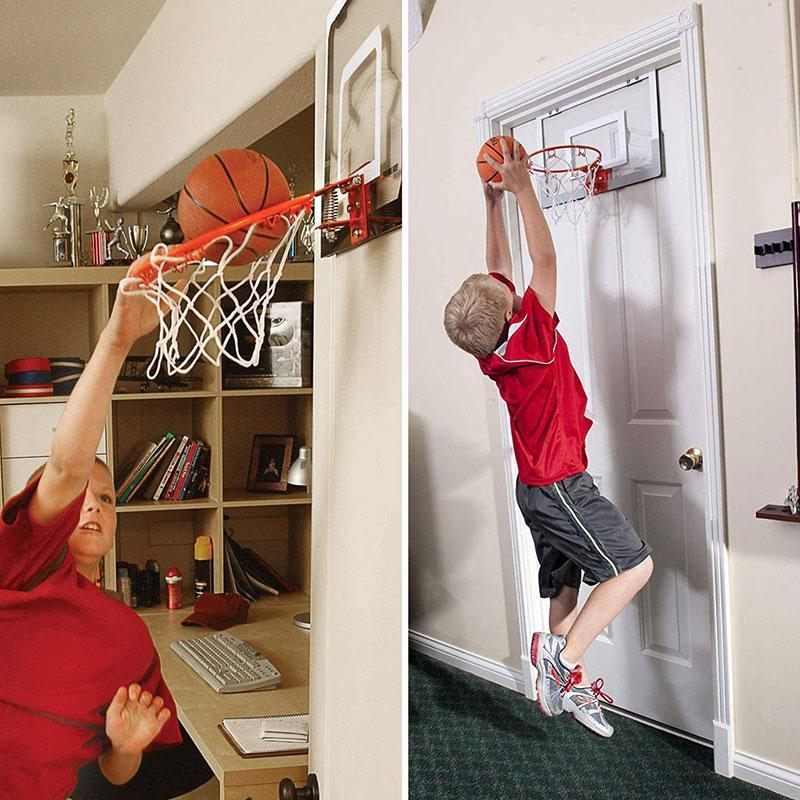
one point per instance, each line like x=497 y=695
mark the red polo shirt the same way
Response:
x=545 y=398
x=65 y=648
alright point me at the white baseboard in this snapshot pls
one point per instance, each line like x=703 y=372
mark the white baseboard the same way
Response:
x=723 y=749
x=767 y=775
x=482 y=667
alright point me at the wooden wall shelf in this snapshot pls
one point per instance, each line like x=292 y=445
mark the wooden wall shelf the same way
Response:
x=779 y=513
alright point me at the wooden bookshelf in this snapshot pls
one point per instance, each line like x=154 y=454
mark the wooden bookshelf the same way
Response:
x=61 y=311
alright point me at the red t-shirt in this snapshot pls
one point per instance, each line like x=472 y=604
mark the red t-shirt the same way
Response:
x=65 y=648
x=545 y=398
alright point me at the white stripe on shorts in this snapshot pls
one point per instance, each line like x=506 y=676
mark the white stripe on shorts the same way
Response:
x=584 y=529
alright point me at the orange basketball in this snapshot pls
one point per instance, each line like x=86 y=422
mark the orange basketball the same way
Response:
x=229 y=185
x=492 y=146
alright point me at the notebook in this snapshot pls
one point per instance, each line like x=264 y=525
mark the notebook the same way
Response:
x=265 y=736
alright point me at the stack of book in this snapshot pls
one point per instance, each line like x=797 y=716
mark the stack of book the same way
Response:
x=171 y=469
x=248 y=574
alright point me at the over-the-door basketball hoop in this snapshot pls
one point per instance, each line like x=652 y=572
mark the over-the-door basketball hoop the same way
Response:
x=569 y=176
x=211 y=313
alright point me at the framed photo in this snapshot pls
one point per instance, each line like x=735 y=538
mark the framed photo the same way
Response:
x=270 y=460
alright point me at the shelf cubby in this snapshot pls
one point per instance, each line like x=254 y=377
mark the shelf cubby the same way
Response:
x=168 y=537
x=281 y=535
x=270 y=415
x=276 y=525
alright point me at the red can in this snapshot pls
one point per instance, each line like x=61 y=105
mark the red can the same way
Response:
x=174 y=580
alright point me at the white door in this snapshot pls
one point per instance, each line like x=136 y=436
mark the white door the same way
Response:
x=629 y=304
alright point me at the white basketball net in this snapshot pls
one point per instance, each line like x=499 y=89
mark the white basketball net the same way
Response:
x=566 y=178
x=209 y=313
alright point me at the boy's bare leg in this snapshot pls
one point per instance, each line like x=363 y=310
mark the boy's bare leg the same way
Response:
x=563 y=610
x=602 y=606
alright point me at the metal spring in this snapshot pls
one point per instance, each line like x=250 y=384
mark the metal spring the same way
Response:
x=330 y=211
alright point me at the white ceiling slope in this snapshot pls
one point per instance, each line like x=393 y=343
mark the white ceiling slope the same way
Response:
x=72 y=48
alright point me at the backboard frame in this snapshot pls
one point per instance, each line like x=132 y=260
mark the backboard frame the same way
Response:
x=379 y=203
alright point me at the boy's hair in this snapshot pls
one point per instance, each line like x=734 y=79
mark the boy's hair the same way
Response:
x=474 y=317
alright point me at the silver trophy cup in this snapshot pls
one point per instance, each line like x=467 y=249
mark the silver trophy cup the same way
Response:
x=137 y=239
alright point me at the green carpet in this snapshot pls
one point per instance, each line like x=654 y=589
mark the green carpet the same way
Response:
x=473 y=740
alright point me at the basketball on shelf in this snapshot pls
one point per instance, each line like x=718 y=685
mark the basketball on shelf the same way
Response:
x=495 y=150
x=227 y=186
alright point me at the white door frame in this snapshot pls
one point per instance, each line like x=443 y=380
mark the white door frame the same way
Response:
x=674 y=39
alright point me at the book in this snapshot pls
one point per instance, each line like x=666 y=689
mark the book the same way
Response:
x=180 y=489
x=281 y=583
x=157 y=495
x=254 y=570
x=125 y=494
x=191 y=488
x=134 y=466
x=150 y=466
x=264 y=736
x=176 y=472
x=241 y=583
x=152 y=483
x=200 y=489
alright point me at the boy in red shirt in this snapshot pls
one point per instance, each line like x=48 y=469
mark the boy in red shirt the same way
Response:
x=575 y=530
x=80 y=678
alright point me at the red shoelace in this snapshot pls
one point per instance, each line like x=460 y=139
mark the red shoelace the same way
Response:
x=597 y=690
x=573 y=679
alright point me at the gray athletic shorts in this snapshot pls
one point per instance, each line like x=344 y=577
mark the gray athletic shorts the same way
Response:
x=576 y=529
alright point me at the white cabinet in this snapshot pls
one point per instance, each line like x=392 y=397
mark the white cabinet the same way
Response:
x=26 y=433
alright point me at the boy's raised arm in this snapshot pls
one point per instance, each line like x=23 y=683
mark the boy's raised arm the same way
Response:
x=498 y=252
x=81 y=425
x=517 y=179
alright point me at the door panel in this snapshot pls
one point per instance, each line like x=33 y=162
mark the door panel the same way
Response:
x=628 y=300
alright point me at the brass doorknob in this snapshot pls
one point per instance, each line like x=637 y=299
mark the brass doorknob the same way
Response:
x=691 y=459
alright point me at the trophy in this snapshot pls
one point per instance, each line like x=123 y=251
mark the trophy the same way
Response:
x=118 y=240
x=137 y=239
x=60 y=223
x=99 y=236
x=171 y=232
x=71 y=166
x=792 y=500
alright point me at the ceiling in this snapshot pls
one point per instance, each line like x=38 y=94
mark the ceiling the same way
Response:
x=72 y=48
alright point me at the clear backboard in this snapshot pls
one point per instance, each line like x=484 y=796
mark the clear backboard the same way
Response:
x=622 y=123
x=363 y=114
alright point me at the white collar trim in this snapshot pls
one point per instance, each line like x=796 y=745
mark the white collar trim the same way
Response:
x=501 y=350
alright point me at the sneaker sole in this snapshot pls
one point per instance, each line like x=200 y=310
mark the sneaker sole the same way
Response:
x=591 y=730
x=539 y=677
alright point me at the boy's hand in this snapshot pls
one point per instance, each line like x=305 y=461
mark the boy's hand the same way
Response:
x=133 y=315
x=490 y=195
x=513 y=170
x=134 y=719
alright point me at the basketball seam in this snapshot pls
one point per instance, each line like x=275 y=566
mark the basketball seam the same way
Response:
x=219 y=218
x=266 y=179
x=202 y=207
x=495 y=151
x=232 y=183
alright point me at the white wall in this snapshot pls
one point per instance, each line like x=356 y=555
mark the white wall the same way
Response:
x=357 y=636
x=32 y=146
x=461 y=577
x=199 y=69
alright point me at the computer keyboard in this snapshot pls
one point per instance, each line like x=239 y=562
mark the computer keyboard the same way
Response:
x=227 y=664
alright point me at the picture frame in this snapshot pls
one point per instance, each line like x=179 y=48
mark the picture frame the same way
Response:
x=270 y=459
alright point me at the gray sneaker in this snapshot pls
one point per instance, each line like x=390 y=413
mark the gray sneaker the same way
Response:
x=583 y=702
x=553 y=679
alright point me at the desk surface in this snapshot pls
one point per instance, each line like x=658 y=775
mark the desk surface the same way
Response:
x=271 y=631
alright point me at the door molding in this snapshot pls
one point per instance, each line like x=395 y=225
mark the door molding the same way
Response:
x=674 y=39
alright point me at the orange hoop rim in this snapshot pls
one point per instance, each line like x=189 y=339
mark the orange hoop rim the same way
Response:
x=193 y=249
x=581 y=148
